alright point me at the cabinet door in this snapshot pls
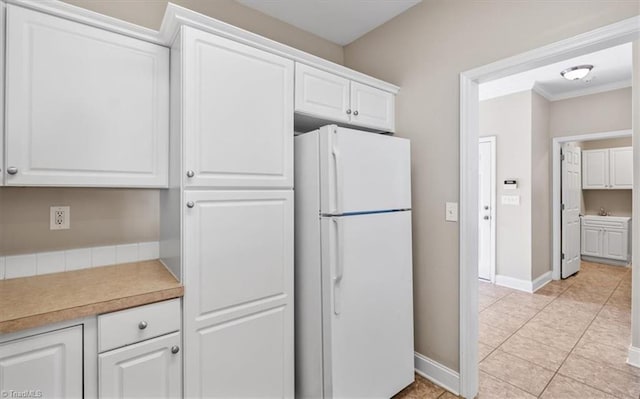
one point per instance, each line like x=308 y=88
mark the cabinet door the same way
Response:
x=322 y=94
x=372 y=107
x=621 y=168
x=149 y=369
x=47 y=365
x=238 y=122
x=238 y=310
x=591 y=241
x=614 y=244
x=85 y=107
x=595 y=169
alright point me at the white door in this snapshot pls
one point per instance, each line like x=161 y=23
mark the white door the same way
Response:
x=238 y=114
x=486 y=183
x=571 y=190
x=362 y=171
x=595 y=172
x=84 y=106
x=238 y=309
x=621 y=168
x=322 y=94
x=50 y=363
x=367 y=305
x=614 y=243
x=149 y=369
x=372 y=107
x=592 y=241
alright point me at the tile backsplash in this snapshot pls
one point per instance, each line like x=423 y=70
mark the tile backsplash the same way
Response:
x=74 y=259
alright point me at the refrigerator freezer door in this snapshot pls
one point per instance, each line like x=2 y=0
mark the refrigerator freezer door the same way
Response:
x=363 y=172
x=367 y=305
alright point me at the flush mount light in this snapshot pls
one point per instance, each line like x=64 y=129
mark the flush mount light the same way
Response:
x=576 y=72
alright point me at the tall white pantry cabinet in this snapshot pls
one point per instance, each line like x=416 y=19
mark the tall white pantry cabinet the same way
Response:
x=228 y=215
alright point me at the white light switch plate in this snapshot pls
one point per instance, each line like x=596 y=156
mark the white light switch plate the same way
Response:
x=451 y=212
x=510 y=200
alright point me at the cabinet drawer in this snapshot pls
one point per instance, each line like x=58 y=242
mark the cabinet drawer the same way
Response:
x=616 y=224
x=137 y=324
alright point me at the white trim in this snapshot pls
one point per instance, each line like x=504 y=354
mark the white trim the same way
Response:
x=541 y=281
x=437 y=373
x=556 y=195
x=492 y=141
x=606 y=261
x=634 y=356
x=591 y=90
x=598 y=39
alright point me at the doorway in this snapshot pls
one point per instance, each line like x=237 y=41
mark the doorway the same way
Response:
x=612 y=35
x=487 y=208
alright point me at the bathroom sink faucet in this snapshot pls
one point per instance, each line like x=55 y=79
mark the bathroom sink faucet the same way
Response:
x=603 y=212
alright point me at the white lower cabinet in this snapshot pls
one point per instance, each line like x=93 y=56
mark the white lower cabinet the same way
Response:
x=48 y=365
x=606 y=237
x=149 y=369
x=238 y=306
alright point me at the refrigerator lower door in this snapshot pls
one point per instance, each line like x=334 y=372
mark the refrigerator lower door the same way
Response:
x=362 y=171
x=367 y=305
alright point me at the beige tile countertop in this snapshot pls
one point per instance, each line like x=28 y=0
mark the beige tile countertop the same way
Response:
x=38 y=300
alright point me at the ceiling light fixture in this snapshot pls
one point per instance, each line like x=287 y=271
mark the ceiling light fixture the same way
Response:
x=576 y=72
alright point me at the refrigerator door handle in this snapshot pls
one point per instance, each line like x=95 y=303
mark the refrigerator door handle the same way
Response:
x=338 y=181
x=339 y=273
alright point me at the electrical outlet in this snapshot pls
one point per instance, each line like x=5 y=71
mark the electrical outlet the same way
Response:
x=60 y=218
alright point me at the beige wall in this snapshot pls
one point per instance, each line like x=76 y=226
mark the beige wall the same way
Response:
x=149 y=13
x=98 y=217
x=508 y=118
x=541 y=187
x=424 y=50
x=616 y=202
x=602 y=112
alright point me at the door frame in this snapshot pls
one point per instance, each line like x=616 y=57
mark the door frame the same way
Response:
x=556 y=193
x=492 y=256
x=608 y=36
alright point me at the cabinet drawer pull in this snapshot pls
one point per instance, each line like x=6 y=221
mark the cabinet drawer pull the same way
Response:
x=142 y=325
x=175 y=349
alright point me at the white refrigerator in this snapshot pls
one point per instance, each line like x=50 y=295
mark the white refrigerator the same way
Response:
x=353 y=267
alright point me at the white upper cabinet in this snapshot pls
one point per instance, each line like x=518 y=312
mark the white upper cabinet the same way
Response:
x=607 y=168
x=372 y=107
x=85 y=106
x=50 y=363
x=332 y=98
x=621 y=168
x=322 y=93
x=238 y=114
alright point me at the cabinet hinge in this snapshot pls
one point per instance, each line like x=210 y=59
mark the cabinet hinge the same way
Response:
x=562 y=157
x=563 y=207
x=562 y=257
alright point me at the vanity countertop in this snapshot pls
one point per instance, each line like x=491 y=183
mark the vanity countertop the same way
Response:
x=612 y=218
x=39 y=300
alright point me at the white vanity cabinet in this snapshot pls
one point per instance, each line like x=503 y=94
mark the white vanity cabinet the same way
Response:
x=84 y=106
x=47 y=365
x=141 y=352
x=606 y=238
x=334 y=98
x=607 y=169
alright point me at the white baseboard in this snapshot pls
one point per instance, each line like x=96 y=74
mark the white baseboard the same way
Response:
x=606 y=261
x=514 y=283
x=541 y=281
x=524 y=285
x=634 y=356
x=437 y=373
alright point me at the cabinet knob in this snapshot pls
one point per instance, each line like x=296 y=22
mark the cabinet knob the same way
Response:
x=348 y=112
x=355 y=113
x=142 y=325
x=175 y=349
x=190 y=173
x=190 y=204
x=12 y=170
x=486 y=217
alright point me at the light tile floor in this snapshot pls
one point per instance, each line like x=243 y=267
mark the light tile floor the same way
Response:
x=567 y=340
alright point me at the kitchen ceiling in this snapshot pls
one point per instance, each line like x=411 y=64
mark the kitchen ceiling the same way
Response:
x=612 y=70
x=339 y=21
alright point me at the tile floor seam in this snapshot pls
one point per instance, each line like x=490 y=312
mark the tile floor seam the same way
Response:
x=576 y=344
x=508 y=383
